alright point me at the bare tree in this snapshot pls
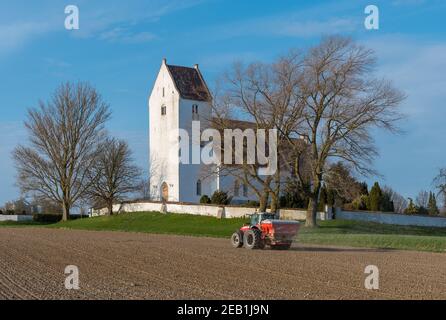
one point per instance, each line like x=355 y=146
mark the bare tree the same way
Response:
x=264 y=94
x=64 y=135
x=440 y=185
x=327 y=97
x=399 y=202
x=113 y=174
x=20 y=206
x=341 y=102
x=47 y=206
x=339 y=179
x=143 y=188
x=422 y=199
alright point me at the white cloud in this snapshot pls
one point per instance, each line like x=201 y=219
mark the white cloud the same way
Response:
x=104 y=21
x=417 y=67
x=310 y=28
x=126 y=36
x=407 y=2
x=15 y=35
x=109 y=21
x=300 y=23
x=290 y=25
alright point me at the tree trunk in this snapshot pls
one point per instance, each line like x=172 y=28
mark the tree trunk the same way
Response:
x=65 y=212
x=109 y=208
x=274 y=203
x=263 y=200
x=312 y=213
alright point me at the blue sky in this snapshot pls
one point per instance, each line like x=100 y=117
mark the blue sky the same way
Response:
x=120 y=45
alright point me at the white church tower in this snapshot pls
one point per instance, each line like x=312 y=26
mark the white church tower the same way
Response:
x=179 y=96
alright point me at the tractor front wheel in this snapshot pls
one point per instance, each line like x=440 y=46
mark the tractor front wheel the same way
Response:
x=237 y=239
x=253 y=239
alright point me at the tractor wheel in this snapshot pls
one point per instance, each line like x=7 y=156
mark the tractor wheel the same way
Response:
x=253 y=239
x=237 y=239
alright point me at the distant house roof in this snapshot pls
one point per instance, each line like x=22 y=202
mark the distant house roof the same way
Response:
x=190 y=83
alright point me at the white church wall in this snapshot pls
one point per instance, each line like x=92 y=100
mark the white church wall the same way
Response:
x=190 y=173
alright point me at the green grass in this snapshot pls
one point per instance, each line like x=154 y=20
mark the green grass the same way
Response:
x=22 y=224
x=154 y=222
x=336 y=232
x=375 y=235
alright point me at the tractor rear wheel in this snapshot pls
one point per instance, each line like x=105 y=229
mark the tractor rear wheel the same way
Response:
x=253 y=239
x=237 y=239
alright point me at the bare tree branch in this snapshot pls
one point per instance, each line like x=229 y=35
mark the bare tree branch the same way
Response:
x=64 y=134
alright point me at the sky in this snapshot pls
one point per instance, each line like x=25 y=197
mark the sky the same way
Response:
x=120 y=44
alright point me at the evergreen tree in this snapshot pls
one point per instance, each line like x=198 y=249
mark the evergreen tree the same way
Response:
x=375 y=198
x=411 y=208
x=387 y=203
x=363 y=189
x=432 y=207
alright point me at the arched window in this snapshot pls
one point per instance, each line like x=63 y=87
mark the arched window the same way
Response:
x=164 y=192
x=163 y=110
x=199 y=188
x=236 y=188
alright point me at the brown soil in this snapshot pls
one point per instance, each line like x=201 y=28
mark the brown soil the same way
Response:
x=115 y=265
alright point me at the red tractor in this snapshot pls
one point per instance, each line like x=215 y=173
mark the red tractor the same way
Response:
x=264 y=229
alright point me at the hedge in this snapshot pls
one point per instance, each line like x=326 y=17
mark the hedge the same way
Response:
x=53 y=218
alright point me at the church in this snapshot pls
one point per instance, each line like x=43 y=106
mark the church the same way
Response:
x=180 y=96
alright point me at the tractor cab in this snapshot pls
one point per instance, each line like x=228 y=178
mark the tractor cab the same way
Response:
x=256 y=218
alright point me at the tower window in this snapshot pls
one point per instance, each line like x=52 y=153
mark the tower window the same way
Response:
x=195 y=112
x=163 y=110
x=163 y=92
x=199 y=188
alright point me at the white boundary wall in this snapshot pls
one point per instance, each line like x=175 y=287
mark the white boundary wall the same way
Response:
x=392 y=218
x=287 y=214
x=203 y=210
x=16 y=218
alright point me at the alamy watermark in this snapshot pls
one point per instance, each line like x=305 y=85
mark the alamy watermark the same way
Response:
x=371 y=22
x=237 y=147
x=371 y=282
x=72 y=279
x=72 y=18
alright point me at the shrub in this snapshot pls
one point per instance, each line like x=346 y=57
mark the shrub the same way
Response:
x=50 y=218
x=360 y=203
x=293 y=200
x=205 y=199
x=79 y=216
x=220 y=197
